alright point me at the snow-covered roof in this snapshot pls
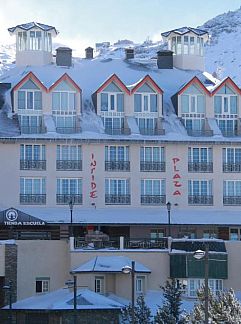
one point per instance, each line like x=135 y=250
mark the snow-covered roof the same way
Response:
x=109 y=264
x=31 y=25
x=142 y=215
x=63 y=299
x=185 y=30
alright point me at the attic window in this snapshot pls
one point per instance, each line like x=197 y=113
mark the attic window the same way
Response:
x=35 y=40
x=22 y=41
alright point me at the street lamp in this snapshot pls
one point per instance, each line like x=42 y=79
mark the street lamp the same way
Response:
x=199 y=255
x=70 y=284
x=131 y=270
x=169 y=205
x=71 y=207
x=9 y=289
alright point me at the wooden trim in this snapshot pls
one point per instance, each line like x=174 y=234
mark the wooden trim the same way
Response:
x=194 y=80
x=147 y=79
x=31 y=76
x=228 y=80
x=114 y=78
x=65 y=77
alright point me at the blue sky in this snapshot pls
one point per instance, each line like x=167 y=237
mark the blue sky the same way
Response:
x=83 y=22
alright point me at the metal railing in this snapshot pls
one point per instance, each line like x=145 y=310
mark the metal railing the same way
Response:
x=152 y=131
x=114 y=243
x=232 y=200
x=117 y=165
x=152 y=166
x=66 y=198
x=32 y=164
x=117 y=199
x=32 y=130
x=69 y=165
x=200 y=132
x=118 y=131
x=230 y=132
x=153 y=200
x=68 y=130
x=200 y=166
x=200 y=200
x=145 y=243
x=232 y=167
x=36 y=199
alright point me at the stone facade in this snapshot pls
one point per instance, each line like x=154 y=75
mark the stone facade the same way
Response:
x=11 y=270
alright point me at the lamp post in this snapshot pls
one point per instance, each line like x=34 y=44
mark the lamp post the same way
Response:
x=131 y=270
x=9 y=289
x=169 y=205
x=199 y=255
x=71 y=207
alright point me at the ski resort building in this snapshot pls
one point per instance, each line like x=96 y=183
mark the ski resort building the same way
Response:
x=95 y=148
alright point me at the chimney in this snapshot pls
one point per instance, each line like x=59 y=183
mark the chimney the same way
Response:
x=89 y=53
x=129 y=53
x=165 y=59
x=64 y=56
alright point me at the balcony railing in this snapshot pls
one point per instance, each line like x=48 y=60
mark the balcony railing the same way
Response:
x=32 y=130
x=117 y=165
x=117 y=199
x=152 y=131
x=153 y=200
x=232 y=200
x=68 y=130
x=36 y=199
x=231 y=167
x=200 y=166
x=200 y=200
x=32 y=164
x=69 y=165
x=114 y=243
x=152 y=166
x=65 y=199
x=199 y=132
x=230 y=132
x=117 y=131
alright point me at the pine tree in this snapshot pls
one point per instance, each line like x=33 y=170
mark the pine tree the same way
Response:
x=142 y=313
x=223 y=308
x=171 y=310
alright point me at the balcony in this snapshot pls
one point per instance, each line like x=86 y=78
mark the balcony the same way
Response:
x=200 y=167
x=115 y=243
x=117 y=131
x=153 y=166
x=231 y=167
x=230 y=132
x=153 y=200
x=65 y=199
x=68 y=130
x=33 y=165
x=152 y=131
x=200 y=200
x=69 y=165
x=117 y=165
x=199 y=132
x=36 y=199
x=117 y=199
x=232 y=200
x=32 y=129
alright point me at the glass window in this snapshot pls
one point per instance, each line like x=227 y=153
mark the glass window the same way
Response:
x=137 y=102
x=112 y=102
x=179 y=45
x=192 y=45
x=120 y=102
x=185 y=46
x=42 y=285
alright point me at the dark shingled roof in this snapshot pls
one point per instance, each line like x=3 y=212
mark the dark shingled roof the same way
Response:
x=31 y=25
x=185 y=30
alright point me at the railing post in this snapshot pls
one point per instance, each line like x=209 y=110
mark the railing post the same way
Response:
x=71 y=243
x=121 y=242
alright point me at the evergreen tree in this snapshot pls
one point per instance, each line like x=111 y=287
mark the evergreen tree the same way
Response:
x=171 y=310
x=223 y=308
x=142 y=313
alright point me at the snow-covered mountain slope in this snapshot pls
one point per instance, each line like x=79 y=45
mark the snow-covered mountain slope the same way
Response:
x=223 y=52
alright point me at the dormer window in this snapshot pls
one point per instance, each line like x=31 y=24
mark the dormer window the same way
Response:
x=145 y=102
x=187 y=45
x=112 y=102
x=226 y=110
x=29 y=99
